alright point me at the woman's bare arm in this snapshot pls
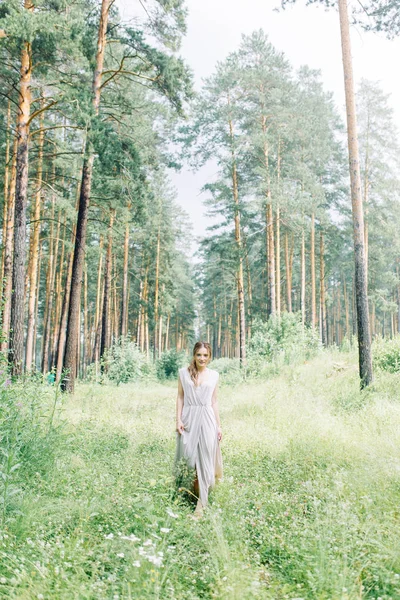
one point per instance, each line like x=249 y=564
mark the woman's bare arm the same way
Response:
x=179 y=407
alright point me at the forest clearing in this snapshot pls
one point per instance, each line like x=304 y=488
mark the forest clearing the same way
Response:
x=108 y=280
x=308 y=507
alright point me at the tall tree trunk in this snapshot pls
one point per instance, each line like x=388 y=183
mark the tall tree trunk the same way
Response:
x=324 y=338
x=167 y=332
x=63 y=321
x=289 y=262
x=278 y=238
x=21 y=194
x=34 y=251
x=105 y=325
x=37 y=308
x=249 y=291
x=364 y=338
x=53 y=244
x=278 y=261
x=239 y=249
x=124 y=307
x=6 y=186
x=59 y=297
x=156 y=292
x=8 y=252
x=398 y=297
x=86 y=348
x=313 y=276
x=269 y=232
x=80 y=240
x=346 y=307
x=303 y=278
x=99 y=298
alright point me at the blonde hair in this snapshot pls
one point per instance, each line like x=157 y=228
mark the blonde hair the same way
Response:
x=192 y=368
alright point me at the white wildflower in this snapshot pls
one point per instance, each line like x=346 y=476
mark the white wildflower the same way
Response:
x=121 y=555
x=136 y=563
x=171 y=514
x=109 y=536
x=131 y=538
x=165 y=530
x=148 y=543
x=156 y=560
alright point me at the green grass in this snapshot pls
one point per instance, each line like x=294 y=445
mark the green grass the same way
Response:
x=308 y=509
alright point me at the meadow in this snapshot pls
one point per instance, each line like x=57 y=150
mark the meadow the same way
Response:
x=308 y=509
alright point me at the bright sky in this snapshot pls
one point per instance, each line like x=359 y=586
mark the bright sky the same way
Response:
x=307 y=35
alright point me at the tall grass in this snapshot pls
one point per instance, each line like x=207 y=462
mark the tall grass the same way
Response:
x=308 y=507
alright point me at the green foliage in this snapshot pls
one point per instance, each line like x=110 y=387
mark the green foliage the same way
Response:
x=29 y=438
x=280 y=340
x=386 y=354
x=124 y=363
x=229 y=370
x=300 y=514
x=169 y=363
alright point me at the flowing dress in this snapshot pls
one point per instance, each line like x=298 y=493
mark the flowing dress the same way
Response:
x=198 y=446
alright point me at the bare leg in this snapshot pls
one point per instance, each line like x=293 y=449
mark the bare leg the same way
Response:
x=198 y=513
x=196 y=488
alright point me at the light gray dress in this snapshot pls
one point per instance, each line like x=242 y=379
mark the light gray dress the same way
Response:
x=198 y=446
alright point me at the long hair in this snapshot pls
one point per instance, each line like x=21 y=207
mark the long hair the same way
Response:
x=192 y=368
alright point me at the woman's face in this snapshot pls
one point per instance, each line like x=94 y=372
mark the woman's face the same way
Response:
x=201 y=357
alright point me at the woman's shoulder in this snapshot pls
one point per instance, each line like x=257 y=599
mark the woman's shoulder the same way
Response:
x=183 y=370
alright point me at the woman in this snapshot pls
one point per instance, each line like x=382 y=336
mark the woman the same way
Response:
x=198 y=425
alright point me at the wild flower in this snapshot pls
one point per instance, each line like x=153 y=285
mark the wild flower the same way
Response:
x=165 y=530
x=136 y=563
x=109 y=536
x=171 y=514
x=156 y=560
x=131 y=538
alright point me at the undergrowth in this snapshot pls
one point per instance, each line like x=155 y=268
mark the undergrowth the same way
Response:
x=308 y=508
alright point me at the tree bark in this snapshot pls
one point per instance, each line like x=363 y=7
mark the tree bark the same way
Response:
x=278 y=261
x=8 y=252
x=105 y=325
x=278 y=238
x=63 y=321
x=53 y=244
x=303 y=278
x=6 y=187
x=313 y=277
x=239 y=249
x=124 y=307
x=34 y=251
x=289 y=262
x=364 y=338
x=324 y=338
x=16 y=354
x=157 y=351
x=81 y=227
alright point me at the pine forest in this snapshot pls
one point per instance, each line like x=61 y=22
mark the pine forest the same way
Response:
x=93 y=241
x=105 y=282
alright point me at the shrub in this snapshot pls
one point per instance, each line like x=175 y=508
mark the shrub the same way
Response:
x=280 y=340
x=386 y=354
x=169 y=363
x=229 y=369
x=30 y=435
x=124 y=362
